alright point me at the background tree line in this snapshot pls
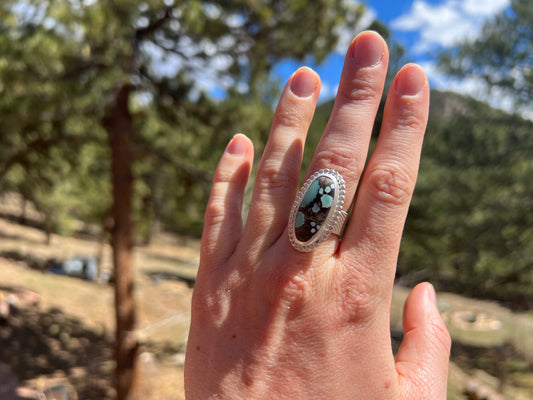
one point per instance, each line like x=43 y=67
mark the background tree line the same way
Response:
x=104 y=116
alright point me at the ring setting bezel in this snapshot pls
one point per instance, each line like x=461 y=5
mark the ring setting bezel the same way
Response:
x=333 y=223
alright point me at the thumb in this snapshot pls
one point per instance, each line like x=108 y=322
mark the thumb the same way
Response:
x=423 y=357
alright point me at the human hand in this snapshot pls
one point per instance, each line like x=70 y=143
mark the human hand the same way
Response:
x=270 y=322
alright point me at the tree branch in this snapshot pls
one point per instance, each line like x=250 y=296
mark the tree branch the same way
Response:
x=38 y=145
x=143 y=150
x=140 y=34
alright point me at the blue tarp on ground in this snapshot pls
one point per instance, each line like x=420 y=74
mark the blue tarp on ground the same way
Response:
x=82 y=267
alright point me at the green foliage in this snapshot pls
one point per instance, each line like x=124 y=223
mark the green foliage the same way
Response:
x=491 y=162
x=470 y=225
x=471 y=217
x=178 y=187
x=62 y=63
x=503 y=54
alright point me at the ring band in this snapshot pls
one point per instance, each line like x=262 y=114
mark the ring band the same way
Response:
x=338 y=227
x=318 y=210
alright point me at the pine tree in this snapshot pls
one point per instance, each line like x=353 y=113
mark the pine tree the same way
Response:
x=74 y=72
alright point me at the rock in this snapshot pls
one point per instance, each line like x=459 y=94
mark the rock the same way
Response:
x=146 y=357
x=4 y=312
x=59 y=392
x=78 y=372
x=24 y=393
x=474 y=321
x=49 y=387
x=477 y=390
x=27 y=297
x=179 y=359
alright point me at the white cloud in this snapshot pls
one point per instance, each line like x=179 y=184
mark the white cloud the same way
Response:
x=487 y=8
x=438 y=26
x=448 y=23
x=474 y=87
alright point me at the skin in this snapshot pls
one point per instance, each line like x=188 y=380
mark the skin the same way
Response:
x=269 y=322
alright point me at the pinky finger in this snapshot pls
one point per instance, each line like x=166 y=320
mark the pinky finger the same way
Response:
x=223 y=219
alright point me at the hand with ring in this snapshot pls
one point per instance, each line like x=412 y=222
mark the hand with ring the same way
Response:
x=295 y=303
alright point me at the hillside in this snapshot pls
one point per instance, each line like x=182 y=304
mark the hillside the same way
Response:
x=63 y=327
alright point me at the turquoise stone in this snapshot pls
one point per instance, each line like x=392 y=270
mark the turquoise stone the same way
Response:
x=310 y=194
x=314 y=208
x=326 y=201
x=299 y=221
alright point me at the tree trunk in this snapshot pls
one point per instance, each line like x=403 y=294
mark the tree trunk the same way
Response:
x=118 y=123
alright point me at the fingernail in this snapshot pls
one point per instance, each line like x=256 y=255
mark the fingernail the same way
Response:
x=367 y=50
x=430 y=293
x=410 y=80
x=303 y=83
x=237 y=145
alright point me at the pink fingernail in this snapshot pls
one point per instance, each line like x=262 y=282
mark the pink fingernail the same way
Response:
x=410 y=81
x=237 y=145
x=367 y=50
x=430 y=292
x=303 y=83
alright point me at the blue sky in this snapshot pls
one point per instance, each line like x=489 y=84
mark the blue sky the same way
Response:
x=424 y=27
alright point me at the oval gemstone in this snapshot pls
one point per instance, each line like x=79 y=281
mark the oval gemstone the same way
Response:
x=314 y=208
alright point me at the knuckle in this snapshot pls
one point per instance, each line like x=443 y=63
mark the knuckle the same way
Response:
x=290 y=116
x=210 y=308
x=214 y=295
x=357 y=300
x=391 y=185
x=225 y=174
x=214 y=212
x=287 y=290
x=342 y=159
x=203 y=302
x=200 y=302
x=272 y=177
x=361 y=88
x=410 y=119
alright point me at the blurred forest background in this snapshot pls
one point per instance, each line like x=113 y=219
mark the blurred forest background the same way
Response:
x=106 y=129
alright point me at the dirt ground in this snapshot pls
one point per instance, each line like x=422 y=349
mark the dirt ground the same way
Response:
x=62 y=329
x=63 y=326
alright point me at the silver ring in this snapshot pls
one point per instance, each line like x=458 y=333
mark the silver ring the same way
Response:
x=318 y=210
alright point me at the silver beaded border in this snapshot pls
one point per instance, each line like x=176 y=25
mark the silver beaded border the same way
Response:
x=338 y=215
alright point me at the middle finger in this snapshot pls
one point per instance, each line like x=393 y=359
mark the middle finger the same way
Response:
x=344 y=145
